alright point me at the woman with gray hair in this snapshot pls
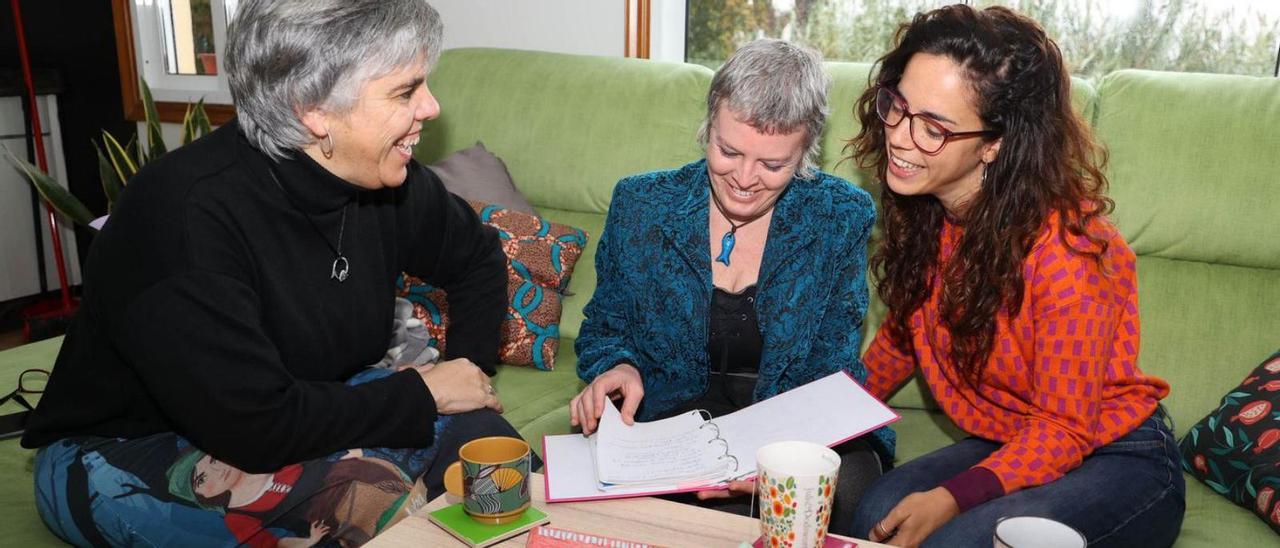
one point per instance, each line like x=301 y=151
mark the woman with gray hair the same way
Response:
x=213 y=388
x=739 y=276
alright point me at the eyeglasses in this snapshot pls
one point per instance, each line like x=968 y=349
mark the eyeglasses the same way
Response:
x=31 y=381
x=929 y=136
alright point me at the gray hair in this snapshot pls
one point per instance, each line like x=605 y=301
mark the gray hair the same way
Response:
x=778 y=87
x=285 y=57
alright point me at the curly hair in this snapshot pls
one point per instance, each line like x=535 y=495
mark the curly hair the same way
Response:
x=1048 y=163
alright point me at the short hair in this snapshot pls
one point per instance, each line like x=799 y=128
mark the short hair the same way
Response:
x=778 y=87
x=285 y=57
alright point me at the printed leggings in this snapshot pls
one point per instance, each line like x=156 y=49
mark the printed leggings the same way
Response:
x=160 y=490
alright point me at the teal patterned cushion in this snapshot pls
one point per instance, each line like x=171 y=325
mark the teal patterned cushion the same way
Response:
x=540 y=259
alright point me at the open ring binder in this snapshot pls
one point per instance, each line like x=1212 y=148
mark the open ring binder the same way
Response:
x=694 y=451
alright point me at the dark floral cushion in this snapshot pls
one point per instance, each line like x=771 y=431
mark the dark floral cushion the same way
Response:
x=540 y=260
x=1236 y=449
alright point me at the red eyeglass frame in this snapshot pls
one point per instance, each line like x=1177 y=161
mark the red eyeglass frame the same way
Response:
x=907 y=115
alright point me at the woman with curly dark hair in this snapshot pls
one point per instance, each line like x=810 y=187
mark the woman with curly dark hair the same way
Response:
x=1012 y=293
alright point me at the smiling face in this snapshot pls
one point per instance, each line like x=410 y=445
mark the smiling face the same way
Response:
x=936 y=87
x=373 y=142
x=749 y=169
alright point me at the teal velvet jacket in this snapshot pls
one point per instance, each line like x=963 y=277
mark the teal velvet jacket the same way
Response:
x=653 y=294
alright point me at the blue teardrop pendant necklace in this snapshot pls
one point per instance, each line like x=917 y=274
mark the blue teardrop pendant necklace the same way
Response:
x=730 y=238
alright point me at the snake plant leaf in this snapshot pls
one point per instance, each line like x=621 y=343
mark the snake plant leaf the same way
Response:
x=53 y=193
x=111 y=183
x=155 y=139
x=202 y=119
x=122 y=160
x=195 y=123
x=188 y=126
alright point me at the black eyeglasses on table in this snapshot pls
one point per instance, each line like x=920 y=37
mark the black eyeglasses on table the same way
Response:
x=31 y=381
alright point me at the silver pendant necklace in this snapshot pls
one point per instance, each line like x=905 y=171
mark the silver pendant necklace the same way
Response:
x=341 y=268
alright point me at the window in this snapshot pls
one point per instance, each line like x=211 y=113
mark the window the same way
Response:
x=176 y=46
x=1096 y=36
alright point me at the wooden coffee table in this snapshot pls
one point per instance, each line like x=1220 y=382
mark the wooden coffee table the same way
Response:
x=642 y=519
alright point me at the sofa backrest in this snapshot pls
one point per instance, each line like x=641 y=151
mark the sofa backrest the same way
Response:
x=567 y=126
x=1195 y=174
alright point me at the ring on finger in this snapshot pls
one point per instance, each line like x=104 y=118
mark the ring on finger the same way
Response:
x=880 y=530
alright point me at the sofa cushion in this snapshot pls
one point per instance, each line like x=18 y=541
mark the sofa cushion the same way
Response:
x=1194 y=167
x=477 y=175
x=582 y=123
x=583 y=284
x=20 y=525
x=1234 y=448
x=541 y=256
x=1203 y=327
x=1213 y=521
x=534 y=401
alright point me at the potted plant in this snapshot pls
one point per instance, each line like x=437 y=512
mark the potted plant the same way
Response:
x=116 y=163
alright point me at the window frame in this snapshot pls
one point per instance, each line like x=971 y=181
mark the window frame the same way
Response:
x=139 y=45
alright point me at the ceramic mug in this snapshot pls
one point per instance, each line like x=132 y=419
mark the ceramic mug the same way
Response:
x=795 y=484
x=1029 y=531
x=492 y=477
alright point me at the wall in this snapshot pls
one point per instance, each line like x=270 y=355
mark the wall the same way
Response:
x=591 y=27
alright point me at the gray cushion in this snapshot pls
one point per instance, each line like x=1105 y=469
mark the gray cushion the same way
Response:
x=477 y=175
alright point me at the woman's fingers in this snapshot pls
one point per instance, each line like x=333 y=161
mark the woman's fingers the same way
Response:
x=631 y=396
x=573 y=409
x=887 y=527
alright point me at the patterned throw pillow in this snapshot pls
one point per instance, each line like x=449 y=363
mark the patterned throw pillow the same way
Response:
x=1235 y=449
x=540 y=260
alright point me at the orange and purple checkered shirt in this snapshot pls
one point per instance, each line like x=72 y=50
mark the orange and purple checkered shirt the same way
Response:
x=1062 y=378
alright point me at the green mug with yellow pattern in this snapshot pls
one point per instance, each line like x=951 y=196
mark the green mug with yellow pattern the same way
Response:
x=492 y=477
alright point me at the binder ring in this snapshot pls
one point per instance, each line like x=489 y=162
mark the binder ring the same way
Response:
x=713 y=425
x=735 y=460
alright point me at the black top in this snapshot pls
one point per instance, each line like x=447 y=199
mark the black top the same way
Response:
x=734 y=343
x=209 y=311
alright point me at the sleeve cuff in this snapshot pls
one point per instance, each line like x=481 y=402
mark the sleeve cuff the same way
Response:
x=422 y=421
x=973 y=487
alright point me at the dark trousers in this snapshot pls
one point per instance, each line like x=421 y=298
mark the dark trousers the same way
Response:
x=1127 y=493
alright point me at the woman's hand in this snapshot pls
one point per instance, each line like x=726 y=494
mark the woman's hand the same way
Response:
x=735 y=489
x=623 y=381
x=459 y=386
x=916 y=517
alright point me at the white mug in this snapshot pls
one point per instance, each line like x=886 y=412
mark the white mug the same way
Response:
x=796 y=484
x=1035 y=532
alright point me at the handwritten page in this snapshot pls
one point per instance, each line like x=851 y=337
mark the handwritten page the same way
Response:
x=828 y=411
x=684 y=447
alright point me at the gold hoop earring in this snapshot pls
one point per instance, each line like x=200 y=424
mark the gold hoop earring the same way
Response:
x=328 y=153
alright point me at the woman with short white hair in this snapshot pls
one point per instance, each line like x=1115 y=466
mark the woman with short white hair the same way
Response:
x=214 y=387
x=739 y=276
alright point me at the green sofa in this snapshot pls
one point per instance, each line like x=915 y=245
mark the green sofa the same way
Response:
x=1194 y=171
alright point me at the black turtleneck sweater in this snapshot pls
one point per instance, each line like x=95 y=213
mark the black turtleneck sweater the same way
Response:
x=209 y=310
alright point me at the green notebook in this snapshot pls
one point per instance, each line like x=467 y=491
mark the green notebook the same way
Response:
x=455 y=520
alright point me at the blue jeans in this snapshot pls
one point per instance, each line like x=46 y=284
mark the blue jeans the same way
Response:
x=1127 y=493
